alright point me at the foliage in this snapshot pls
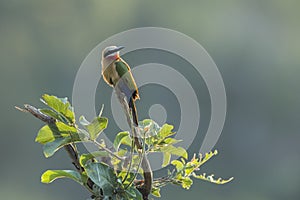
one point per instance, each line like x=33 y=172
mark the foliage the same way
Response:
x=113 y=172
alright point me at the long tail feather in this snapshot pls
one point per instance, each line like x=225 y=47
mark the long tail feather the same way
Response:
x=131 y=105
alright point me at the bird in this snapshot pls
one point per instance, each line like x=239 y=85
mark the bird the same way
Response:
x=117 y=73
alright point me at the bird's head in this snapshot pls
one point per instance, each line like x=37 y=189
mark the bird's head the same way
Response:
x=111 y=52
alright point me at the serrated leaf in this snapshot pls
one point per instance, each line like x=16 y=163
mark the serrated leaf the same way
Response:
x=51 y=175
x=166 y=159
x=85 y=157
x=103 y=176
x=122 y=138
x=95 y=127
x=60 y=105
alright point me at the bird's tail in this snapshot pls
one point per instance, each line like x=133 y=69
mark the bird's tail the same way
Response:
x=131 y=105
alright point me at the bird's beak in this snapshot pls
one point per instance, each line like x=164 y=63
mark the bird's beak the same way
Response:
x=116 y=49
x=113 y=51
x=119 y=48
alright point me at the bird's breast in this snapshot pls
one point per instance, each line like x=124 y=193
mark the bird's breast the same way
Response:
x=110 y=74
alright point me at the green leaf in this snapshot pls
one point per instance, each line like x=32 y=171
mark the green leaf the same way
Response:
x=146 y=122
x=95 y=127
x=83 y=121
x=60 y=105
x=170 y=141
x=85 y=157
x=129 y=178
x=51 y=175
x=186 y=182
x=178 y=151
x=55 y=136
x=122 y=152
x=189 y=169
x=179 y=165
x=130 y=192
x=51 y=147
x=49 y=133
x=52 y=113
x=122 y=138
x=155 y=191
x=211 y=179
x=134 y=193
x=103 y=176
x=166 y=159
x=166 y=131
x=149 y=127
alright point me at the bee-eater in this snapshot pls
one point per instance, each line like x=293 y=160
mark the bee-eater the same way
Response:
x=116 y=73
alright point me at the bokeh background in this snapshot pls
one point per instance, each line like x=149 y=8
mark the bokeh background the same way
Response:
x=255 y=44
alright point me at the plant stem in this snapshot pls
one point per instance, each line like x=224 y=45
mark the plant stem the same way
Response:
x=73 y=154
x=148 y=176
x=107 y=150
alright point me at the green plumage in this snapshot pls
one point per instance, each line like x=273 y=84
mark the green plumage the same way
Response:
x=122 y=68
x=124 y=72
x=118 y=74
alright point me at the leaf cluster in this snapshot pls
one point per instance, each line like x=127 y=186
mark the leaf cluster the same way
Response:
x=111 y=169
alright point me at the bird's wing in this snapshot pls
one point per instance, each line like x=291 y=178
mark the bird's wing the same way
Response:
x=126 y=82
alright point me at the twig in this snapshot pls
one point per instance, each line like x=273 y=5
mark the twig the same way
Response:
x=148 y=176
x=69 y=148
x=107 y=150
x=159 y=182
x=35 y=112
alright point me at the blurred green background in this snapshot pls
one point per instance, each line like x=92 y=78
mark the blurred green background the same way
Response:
x=254 y=43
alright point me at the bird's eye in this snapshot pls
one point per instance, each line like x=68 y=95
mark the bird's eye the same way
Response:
x=107 y=53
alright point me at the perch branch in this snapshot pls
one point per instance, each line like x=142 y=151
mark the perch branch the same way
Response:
x=148 y=176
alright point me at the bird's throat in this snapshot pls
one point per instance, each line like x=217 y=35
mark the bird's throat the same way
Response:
x=113 y=57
